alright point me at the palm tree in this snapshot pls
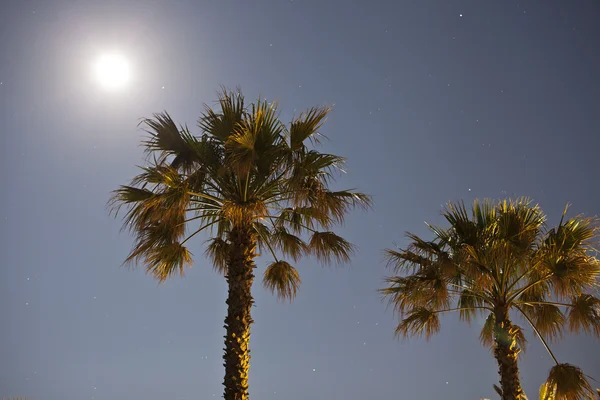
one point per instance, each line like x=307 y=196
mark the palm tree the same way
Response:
x=253 y=184
x=502 y=262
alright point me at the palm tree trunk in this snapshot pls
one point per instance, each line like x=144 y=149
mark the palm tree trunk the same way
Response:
x=506 y=352
x=239 y=278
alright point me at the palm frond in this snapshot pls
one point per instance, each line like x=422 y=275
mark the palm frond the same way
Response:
x=584 y=314
x=209 y=156
x=264 y=122
x=164 y=134
x=313 y=164
x=328 y=247
x=571 y=234
x=566 y=382
x=548 y=319
x=289 y=244
x=419 y=321
x=131 y=196
x=469 y=303
x=282 y=279
x=405 y=260
x=299 y=219
x=567 y=249
x=429 y=249
x=264 y=236
x=465 y=230
x=336 y=205
x=240 y=148
x=572 y=274
x=478 y=266
x=167 y=139
x=306 y=126
x=535 y=287
x=443 y=236
x=217 y=251
x=164 y=261
x=484 y=213
x=223 y=124
x=519 y=222
x=162 y=175
x=166 y=209
x=486 y=336
x=416 y=291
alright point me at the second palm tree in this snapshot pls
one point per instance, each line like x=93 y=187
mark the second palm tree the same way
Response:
x=501 y=260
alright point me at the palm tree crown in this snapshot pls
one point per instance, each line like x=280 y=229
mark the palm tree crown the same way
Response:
x=251 y=182
x=500 y=261
x=246 y=168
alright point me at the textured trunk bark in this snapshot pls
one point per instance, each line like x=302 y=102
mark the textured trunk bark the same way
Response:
x=506 y=352
x=239 y=277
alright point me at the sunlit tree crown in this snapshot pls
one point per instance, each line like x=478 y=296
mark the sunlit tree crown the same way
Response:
x=246 y=169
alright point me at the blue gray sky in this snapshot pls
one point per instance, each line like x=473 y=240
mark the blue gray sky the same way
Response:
x=434 y=101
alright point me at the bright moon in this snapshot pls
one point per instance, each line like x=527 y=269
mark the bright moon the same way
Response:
x=112 y=71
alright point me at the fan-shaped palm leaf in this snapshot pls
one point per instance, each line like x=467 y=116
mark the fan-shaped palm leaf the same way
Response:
x=584 y=314
x=328 y=247
x=282 y=279
x=419 y=321
x=218 y=250
x=566 y=382
x=548 y=320
x=306 y=126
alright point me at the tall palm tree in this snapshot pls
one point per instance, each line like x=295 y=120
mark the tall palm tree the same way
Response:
x=253 y=184
x=501 y=261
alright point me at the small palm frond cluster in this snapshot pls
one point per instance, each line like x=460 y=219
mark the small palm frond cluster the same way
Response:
x=502 y=256
x=246 y=168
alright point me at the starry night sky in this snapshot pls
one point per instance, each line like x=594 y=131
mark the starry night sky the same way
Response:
x=434 y=101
